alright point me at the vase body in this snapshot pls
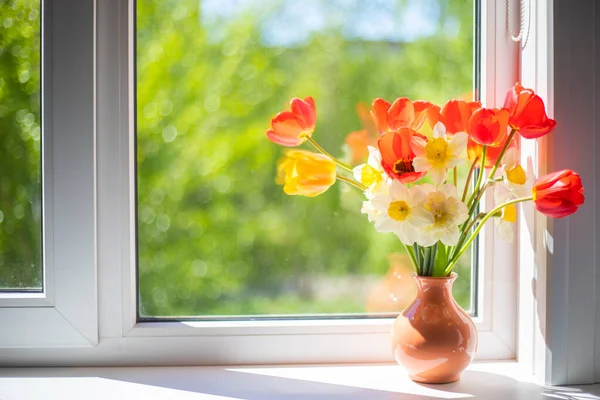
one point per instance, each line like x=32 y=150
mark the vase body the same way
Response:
x=434 y=338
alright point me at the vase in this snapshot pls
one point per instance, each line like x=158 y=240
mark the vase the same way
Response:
x=434 y=339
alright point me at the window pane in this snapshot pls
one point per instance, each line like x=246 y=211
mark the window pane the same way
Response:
x=20 y=144
x=216 y=234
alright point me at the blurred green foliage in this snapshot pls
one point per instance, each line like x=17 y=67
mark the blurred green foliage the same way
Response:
x=20 y=185
x=216 y=235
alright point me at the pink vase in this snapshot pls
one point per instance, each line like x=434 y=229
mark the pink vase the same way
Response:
x=434 y=339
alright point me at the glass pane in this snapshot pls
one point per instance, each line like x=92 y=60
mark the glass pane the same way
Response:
x=216 y=235
x=20 y=144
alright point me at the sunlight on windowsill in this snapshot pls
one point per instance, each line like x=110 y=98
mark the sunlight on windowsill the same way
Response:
x=502 y=380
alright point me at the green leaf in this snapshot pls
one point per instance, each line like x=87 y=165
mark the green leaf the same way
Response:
x=441 y=260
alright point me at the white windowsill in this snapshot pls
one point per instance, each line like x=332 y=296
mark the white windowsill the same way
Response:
x=504 y=380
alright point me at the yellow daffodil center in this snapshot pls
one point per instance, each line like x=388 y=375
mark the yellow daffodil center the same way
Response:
x=369 y=176
x=516 y=175
x=510 y=213
x=436 y=151
x=398 y=210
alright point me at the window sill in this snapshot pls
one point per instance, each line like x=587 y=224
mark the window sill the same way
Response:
x=500 y=380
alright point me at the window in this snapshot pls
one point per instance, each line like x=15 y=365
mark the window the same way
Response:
x=216 y=236
x=89 y=303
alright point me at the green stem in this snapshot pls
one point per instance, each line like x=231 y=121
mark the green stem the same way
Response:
x=479 y=196
x=479 y=176
x=471 y=219
x=468 y=182
x=419 y=257
x=323 y=151
x=426 y=261
x=455 y=259
x=499 y=159
x=352 y=182
x=432 y=261
x=471 y=225
x=455 y=175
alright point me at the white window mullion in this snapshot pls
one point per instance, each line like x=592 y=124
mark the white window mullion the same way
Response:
x=66 y=313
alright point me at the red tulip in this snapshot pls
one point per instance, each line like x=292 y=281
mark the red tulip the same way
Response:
x=527 y=112
x=402 y=113
x=291 y=128
x=488 y=126
x=558 y=194
x=454 y=115
x=397 y=155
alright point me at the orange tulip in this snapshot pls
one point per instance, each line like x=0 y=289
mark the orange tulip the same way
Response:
x=358 y=143
x=402 y=113
x=488 y=126
x=291 y=128
x=305 y=173
x=397 y=155
x=454 y=115
x=527 y=112
x=558 y=194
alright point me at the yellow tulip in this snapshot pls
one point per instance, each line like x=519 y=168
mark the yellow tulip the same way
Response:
x=305 y=173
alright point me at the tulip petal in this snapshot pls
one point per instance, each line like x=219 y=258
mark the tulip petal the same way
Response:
x=304 y=111
x=400 y=114
x=379 y=112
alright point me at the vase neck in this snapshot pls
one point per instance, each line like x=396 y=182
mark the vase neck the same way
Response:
x=435 y=288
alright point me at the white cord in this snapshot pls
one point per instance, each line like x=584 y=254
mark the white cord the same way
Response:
x=523 y=28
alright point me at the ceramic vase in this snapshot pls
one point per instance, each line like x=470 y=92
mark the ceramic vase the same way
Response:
x=433 y=338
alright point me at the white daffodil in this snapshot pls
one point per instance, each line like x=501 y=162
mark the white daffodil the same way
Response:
x=372 y=174
x=370 y=210
x=438 y=154
x=505 y=223
x=400 y=211
x=446 y=212
x=514 y=175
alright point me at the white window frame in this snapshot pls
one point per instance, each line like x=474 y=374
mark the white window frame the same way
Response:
x=90 y=219
x=559 y=321
x=65 y=314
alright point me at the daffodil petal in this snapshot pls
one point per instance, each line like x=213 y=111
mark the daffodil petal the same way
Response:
x=439 y=131
x=452 y=162
x=511 y=158
x=383 y=223
x=398 y=191
x=421 y=164
x=449 y=190
x=416 y=196
x=505 y=230
x=374 y=159
x=420 y=217
x=450 y=236
x=357 y=172
x=457 y=144
x=437 y=174
x=406 y=233
x=426 y=239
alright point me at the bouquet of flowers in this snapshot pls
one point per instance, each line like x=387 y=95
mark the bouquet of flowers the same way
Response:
x=410 y=179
